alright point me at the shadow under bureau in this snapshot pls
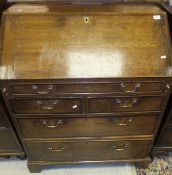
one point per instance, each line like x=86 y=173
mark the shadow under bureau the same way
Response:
x=85 y=83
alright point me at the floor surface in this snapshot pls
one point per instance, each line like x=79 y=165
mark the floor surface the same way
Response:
x=19 y=167
x=161 y=165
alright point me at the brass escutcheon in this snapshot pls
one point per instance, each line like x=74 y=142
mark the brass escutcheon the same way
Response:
x=86 y=19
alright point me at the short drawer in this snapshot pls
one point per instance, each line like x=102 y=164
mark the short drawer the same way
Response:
x=7 y=142
x=46 y=106
x=165 y=138
x=45 y=89
x=87 y=127
x=126 y=87
x=86 y=150
x=125 y=104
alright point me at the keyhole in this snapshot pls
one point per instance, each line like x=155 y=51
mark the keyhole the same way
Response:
x=86 y=19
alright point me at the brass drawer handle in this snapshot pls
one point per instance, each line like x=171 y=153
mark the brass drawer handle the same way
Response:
x=135 y=88
x=60 y=149
x=36 y=88
x=47 y=105
x=3 y=128
x=120 y=123
x=55 y=125
x=126 y=103
x=122 y=148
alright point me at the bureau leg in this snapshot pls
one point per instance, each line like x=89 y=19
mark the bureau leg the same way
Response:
x=34 y=168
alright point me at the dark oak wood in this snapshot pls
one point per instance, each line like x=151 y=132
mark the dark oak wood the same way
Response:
x=163 y=142
x=170 y=121
x=88 y=150
x=144 y=164
x=9 y=143
x=85 y=83
x=36 y=167
x=56 y=127
x=90 y=2
x=41 y=89
x=124 y=104
x=108 y=40
x=164 y=138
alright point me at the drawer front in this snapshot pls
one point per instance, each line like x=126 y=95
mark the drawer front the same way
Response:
x=86 y=150
x=48 y=89
x=7 y=142
x=87 y=127
x=166 y=137
x=124 y=104
x=46 y=106
x=126 y=87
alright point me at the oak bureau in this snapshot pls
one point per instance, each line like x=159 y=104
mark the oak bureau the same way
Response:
x=85 y=83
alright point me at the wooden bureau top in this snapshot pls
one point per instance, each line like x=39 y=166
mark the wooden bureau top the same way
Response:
x=75 y=41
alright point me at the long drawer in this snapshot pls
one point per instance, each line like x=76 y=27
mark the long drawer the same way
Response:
x=87 y=127
x=124 y=104
x=47 y=106
x=9 y=144
x=51 y=89
x=86 y=150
